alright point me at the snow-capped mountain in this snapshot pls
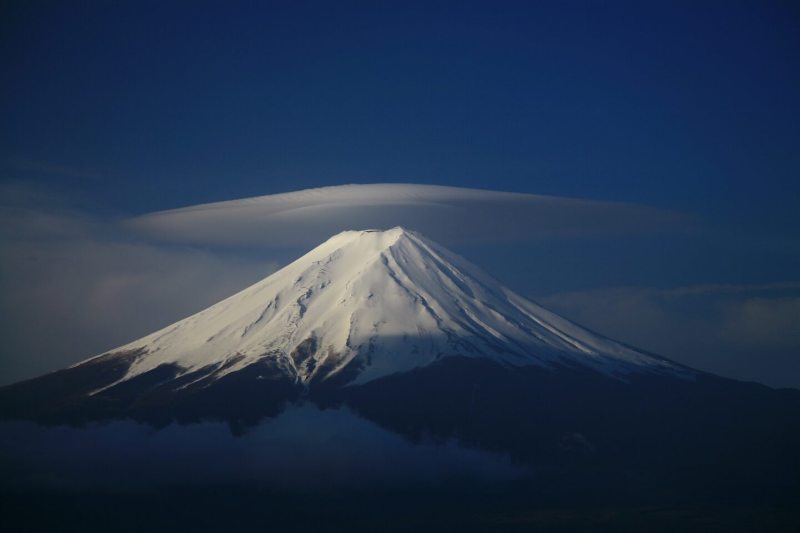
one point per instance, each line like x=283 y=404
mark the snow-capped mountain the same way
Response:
x=374 y=303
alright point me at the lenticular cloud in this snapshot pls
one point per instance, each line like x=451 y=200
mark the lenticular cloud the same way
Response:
x=446 y=214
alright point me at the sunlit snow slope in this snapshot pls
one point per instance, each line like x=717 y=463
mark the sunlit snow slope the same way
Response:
x=378 y=303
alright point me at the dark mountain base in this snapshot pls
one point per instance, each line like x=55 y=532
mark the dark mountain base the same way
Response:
x=578 y=433
x=250 y=509
x=583 y=432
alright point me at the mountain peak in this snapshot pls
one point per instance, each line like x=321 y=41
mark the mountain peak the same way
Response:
x=378 y=237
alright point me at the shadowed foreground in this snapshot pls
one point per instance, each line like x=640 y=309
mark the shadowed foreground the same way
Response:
x=232 y=509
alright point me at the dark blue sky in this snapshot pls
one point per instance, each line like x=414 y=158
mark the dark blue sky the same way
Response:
x=692 y=106
x=133 y=107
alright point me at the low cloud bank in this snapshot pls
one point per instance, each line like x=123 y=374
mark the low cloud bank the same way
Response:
x=305 y=449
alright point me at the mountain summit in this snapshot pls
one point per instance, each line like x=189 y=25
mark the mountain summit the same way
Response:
x=367 y=304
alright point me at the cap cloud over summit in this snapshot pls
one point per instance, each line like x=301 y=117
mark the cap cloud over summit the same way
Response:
x=446 y=214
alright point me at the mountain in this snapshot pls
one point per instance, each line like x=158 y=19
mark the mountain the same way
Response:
x=367 y=304
x=419 y=340
x=361 y=306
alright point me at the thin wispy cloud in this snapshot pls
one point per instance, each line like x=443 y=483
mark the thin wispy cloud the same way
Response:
x=34 y=166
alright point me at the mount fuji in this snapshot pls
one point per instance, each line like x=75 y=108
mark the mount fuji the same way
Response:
x=415 y=338
x=368 y=304
x=361 y=306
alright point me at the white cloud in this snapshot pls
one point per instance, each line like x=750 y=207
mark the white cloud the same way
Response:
x=446 y=214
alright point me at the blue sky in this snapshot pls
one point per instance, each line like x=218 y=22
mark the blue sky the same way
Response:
x=118 y=109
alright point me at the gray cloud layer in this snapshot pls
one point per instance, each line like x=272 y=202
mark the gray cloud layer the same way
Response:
x=748 y=332
x=73 y=284
x=446 y=214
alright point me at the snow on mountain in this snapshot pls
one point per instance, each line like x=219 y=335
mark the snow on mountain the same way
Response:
x=381 y=302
